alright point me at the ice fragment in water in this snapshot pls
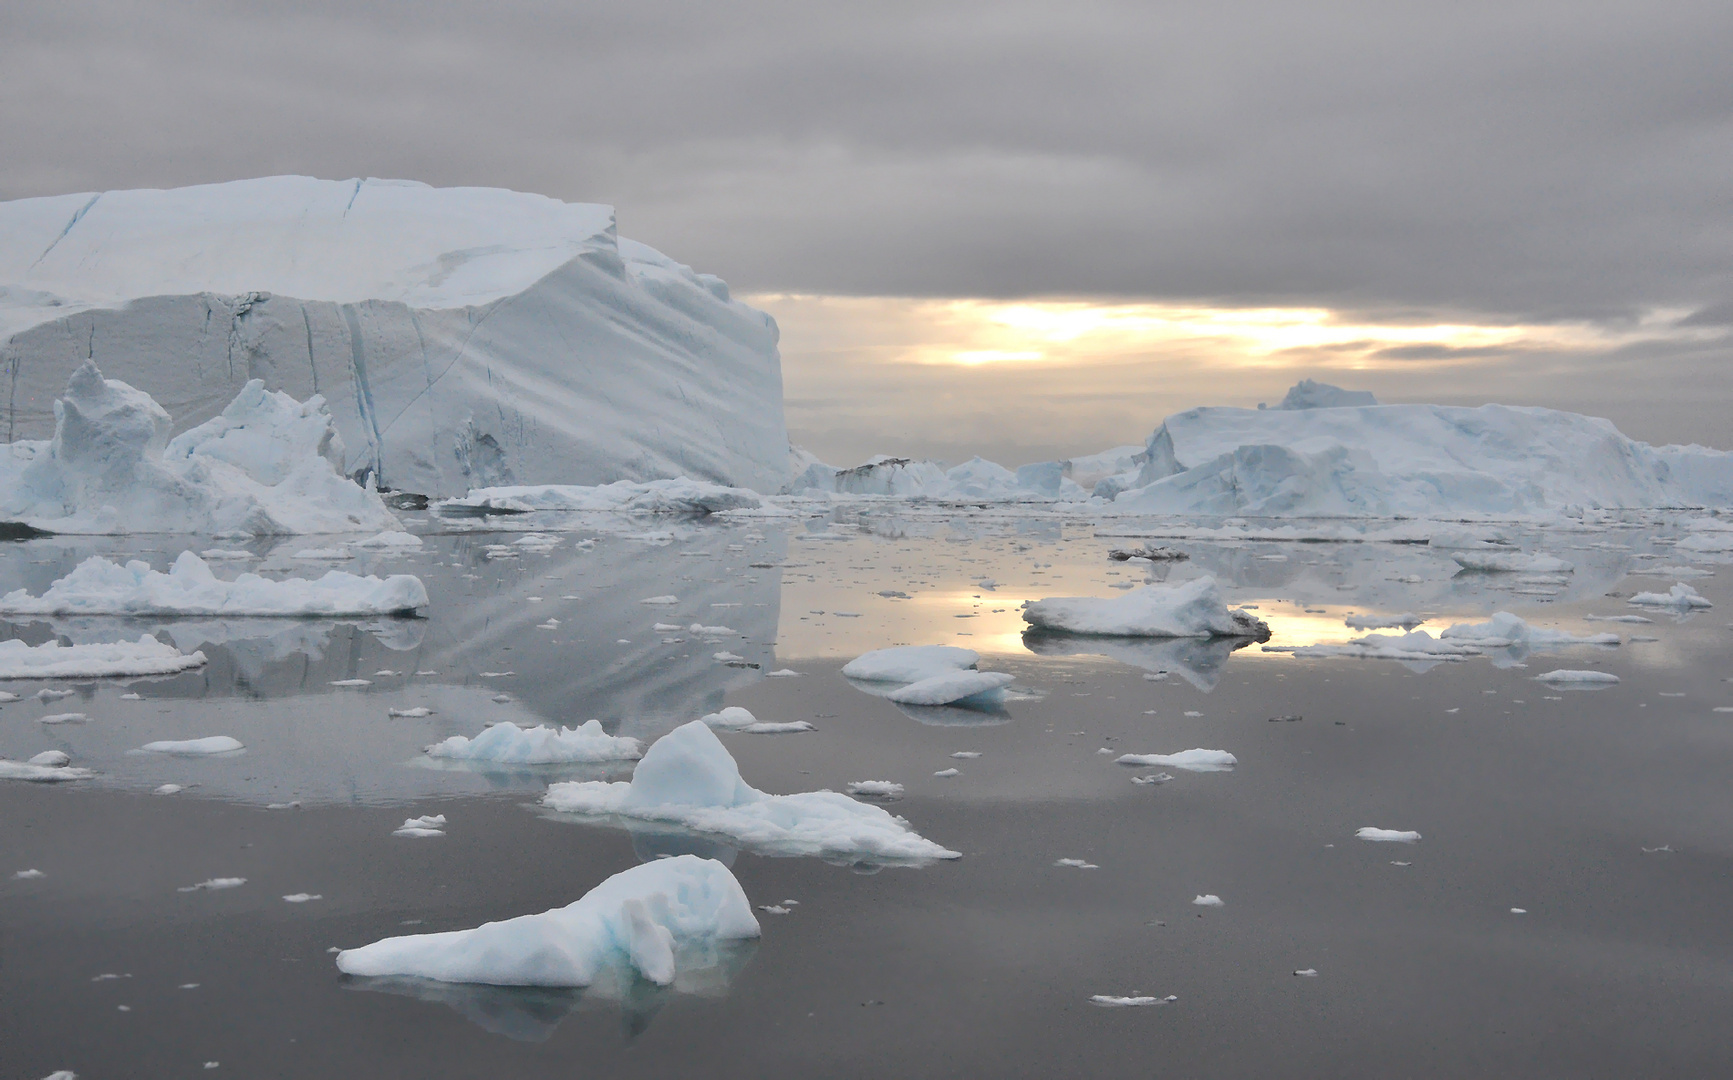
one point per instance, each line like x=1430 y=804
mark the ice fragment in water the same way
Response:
x=1078 y=863
x=426 y=825
x=1393 y=835
x=880 y=789
x=1198 y=760
x=946 y=773
x=215 y=883
x=1109 y=1001
x=1207 y=900
x=211 y=744
x=302 y=898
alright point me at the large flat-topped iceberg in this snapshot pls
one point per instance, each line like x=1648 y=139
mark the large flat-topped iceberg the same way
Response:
x=1313 y=457
x=465 y=337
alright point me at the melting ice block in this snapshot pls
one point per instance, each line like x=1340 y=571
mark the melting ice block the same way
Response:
x=267 y=465
x=1194 y=609
x=98 y=586
x=508 y=744
x=687 y=778
x=654 y=920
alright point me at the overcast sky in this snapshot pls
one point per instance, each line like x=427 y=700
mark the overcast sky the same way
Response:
x=1511 y=163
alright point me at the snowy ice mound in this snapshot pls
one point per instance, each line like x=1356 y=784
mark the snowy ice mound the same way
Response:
x=267 y=465
x=508 y=744
x=655 y=921
x=1194 y=609
x=676 y=496
x=925 y=675
x=910 y=663
x=689 y=779
x=128 y=659
x=1323 y=455
x=465 y=337
x=100 y=587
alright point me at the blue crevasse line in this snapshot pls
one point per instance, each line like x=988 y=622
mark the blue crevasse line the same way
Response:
x=76 y=218
x=363 y=391
x=353 y=195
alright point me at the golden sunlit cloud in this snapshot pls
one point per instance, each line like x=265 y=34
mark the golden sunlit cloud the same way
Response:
x=973 y=332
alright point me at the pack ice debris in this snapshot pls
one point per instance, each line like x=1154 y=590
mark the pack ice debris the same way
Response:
x=1389 y=835
x=214 y=883
x=51 y=660
x=1080 y=864
x=654 y=920
x=41 y=774
x=63 y=718
x=910 y=663
x=1198 y=760
x=687 y=778
x=508 y=744
x=735 y=718
x=267 y=465
x=877 y=789
x=1110 y=1001
x=1680 y=597
x=415 y=712
x=1207 y=900
x=1194 y=609
x=425 y=825
x=945 y=774
x=1512 y=562
x=211 y=744
x=1581 y=677
x=465 y=337
x=671 y=496
x=28 y=875
x=302 y=898
x=98 y=586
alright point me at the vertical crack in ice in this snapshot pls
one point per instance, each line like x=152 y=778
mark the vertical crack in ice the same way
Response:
x=363 y=391
x=76 y=218
x=353 y=195
x=307 y=322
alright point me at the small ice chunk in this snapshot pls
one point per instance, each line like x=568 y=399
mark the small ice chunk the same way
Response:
x=966 y=754
x=667 y=599
x=1511 y=562
x=63 y=718
x=302 y=898
x=426 y=825
x=120 y=659
x=1207 y=900
x=1110 y=1001
x=1518 y=911
x=1153 y=778
x=910 y=663
x=215 y=883
x=878 y=789
x=782 y=673
x=211 y=744
x=946 y=772
x=1392 y=835
x=391 y=538
x=1197 y=760
x=1681 y=597
x=41 y=774
x=324 y=554
x=28 y=875
x=169 y=789
x=1307 y=973
x=1193 y=609
x=46 y=694
x=1078 y=863
x=726 y=657
x=1562 y=675
x=53 y=759
x=132 y=697
x=413 y=713
x=773 y=909
x=542 y=745
x=950 y=687
x=351 y=682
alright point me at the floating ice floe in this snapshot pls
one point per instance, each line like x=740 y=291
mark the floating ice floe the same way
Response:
x=1503 y=631
x=1388 y=835
x=951 y=687
x=415 y=712
x=425 y=825
x=508 y=744
x=215 y=883
x=653 y=921
x=1591 y=678
x=1207 y=900
x=267 y=465
x=205 y=747
x=676 y=496
x=63 y=718
x=876 y=789
x=1511 y=562
x=1681 y=597
x=910 y=663
x=687 y=778
x=1190 y=760
x=1194 y=609
x=1405 y=621
x=1109 y=1001
x=42 y=771
x=52 y=660
x=390 y=540
x=735 y=718
x=98 y=586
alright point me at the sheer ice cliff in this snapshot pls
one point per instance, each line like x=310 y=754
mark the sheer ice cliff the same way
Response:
x=464 y=337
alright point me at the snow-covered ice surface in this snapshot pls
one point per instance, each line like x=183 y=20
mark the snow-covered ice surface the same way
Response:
x=687 y=778
x=101 y=587
x=648 y=922
x=465 y=337
x=120 y=659
x=266 y=465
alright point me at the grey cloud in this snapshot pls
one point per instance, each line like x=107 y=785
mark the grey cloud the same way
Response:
x=1530 y=160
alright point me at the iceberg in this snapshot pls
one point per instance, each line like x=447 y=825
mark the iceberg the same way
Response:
x=1194 y=609
x=98 y=586
x=688 y=779
x=464 y=337
x=1326 y=454
x=507 y=744
x=1680 y=597
x=653 y=921
x=121 y=659
x=266 y=465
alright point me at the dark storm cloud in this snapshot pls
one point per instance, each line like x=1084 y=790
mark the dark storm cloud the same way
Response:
x=1520 y=160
